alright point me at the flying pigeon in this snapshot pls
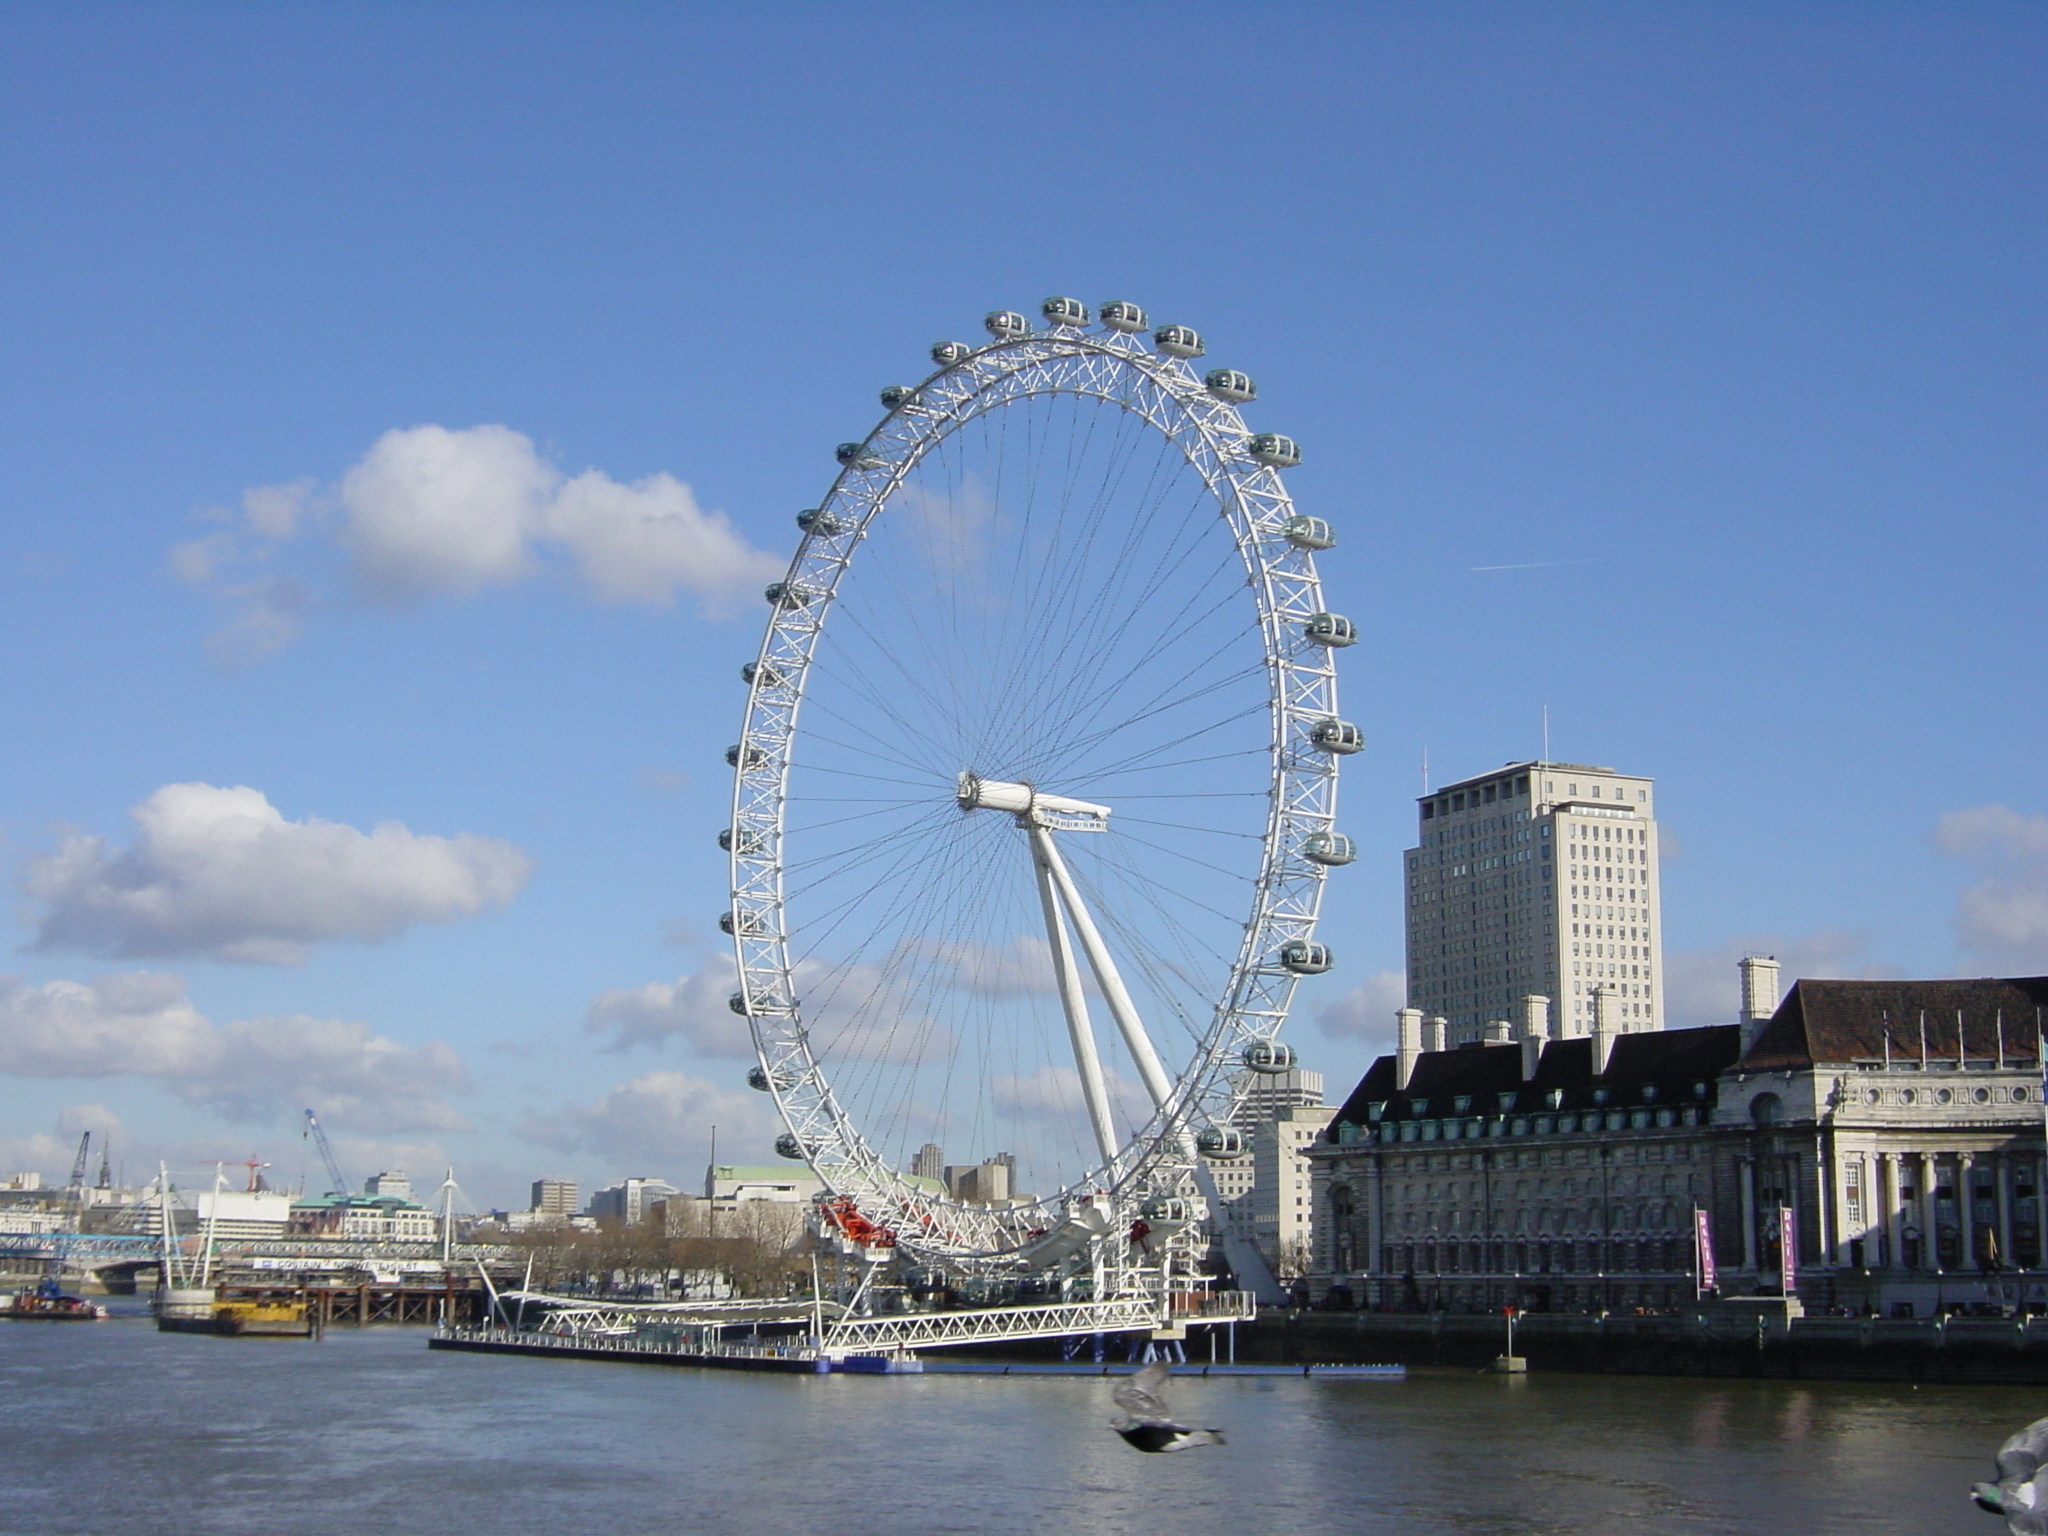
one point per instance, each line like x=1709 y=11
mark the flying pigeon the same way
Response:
x=1149 y=1424
x=2021 y=1492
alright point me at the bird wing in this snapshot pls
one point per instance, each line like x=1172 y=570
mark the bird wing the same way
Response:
x=1143 y=1397
x=2022 y=1455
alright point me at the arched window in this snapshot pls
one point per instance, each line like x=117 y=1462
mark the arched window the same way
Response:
x=1766 y=1109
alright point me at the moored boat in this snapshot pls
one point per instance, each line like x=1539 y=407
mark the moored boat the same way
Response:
x=50 y=1306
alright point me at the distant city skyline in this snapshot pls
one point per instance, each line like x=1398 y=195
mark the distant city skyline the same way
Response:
x=412 y=416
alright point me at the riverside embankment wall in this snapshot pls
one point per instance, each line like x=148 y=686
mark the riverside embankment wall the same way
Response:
x=1821 y=1348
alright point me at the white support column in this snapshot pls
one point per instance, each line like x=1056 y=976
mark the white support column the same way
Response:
x=1150 y=1071
x=1074 y=1001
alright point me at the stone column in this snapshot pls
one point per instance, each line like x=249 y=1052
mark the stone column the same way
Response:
x=1930 y=1229
x=1967 y=1256
x=1888 y=1208
x=2001 y=1174
x=1745 y=1181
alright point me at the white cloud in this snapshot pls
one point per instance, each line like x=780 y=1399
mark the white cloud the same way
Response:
x=693 y=1006
x=1366 y=1012
x=1702 y=986
x=1020 y=968
x=1054 y=1093
x=431 y=511
x=52 y=1156
x=264 y=616
x=2002 y=915
x=141 y=1024
x=221 y=873
x=639 y=543
x=951 y=527
x=853 y=1012
x=660 y=1121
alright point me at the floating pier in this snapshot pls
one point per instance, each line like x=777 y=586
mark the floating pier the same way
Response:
x=805 y=1358
x=1190 y=1371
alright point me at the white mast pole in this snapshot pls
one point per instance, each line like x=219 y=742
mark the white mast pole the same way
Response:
x=163 y=1210
x=447 y=1218
x=212 y=1215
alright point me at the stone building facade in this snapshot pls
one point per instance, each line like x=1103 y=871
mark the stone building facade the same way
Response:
x=1900 y=1123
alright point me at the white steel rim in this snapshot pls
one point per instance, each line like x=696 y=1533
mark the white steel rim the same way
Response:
x=1249 y=495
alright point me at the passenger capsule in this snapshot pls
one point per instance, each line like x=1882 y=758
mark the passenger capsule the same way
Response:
x=1064 y=312
x=857 y=456
x=1270 y=1056
x=1229 y=384
x=760 y=1080
x=737 y=1003
x=951 y=354
x=789 y=594
x=1120 y=315
x=746 y=922
x=1331 y=629
x=1006 y=324
x=786 y=1145
x=824 y=524
x=1167 y=1209
x=1305 y=532
x=741 y=841
x=1274 y=451
x=766 y=673
x=1178 y=341
x=1328 y=848
x=1220 y=1141
x=753 y=757
x=1306 y=958
x=897 y=395
x=1337 y=736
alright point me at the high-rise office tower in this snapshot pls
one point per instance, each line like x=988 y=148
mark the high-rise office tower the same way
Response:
x=1536 y=879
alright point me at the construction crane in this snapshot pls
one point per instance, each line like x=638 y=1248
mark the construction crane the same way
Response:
x=334 y=1175
x=78 y=1162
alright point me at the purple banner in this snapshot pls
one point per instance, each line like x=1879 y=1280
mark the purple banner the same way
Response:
x=1703 y=1243
x=1788 y=1252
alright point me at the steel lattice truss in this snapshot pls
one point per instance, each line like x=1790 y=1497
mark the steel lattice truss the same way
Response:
x=1212 y=438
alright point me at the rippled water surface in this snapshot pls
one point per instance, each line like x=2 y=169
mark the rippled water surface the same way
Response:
x=113 y=1429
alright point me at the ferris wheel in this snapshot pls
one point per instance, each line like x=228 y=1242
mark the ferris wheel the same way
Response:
x=1035 y=796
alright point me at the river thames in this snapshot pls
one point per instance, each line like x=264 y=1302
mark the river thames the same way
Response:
x=113 y=1429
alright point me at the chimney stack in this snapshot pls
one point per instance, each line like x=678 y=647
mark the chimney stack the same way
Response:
x=1436 y=1034
x=1498 y=1032
x=1759 y=996
x=1605 y=1027
x=1535 y=1033
x=1407 y=1044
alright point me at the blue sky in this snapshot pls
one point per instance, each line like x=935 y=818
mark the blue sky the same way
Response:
x=1675 y=368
